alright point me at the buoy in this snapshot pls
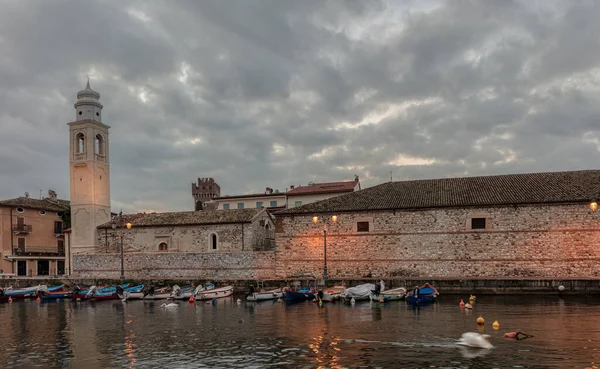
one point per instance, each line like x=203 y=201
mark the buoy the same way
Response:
x=480 y=320
x=381 y=300
x=191 y=300
x=9 y=299
x=496 y=325
x=207 y=302
x=462 y=303
x=472 y=299
x=239 y=301
x=468 y=306
x=561 y=288
x=38 y=299
x=352 y=301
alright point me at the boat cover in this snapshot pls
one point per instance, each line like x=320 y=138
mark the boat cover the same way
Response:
x=362 y=291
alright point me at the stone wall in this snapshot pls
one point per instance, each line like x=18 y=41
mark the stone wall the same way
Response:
x=549 y=241
x=216 y=266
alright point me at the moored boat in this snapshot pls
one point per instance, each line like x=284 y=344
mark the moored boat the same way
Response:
x=160 y=294
x=272 y=294
x=394 y=294
x=359 y=293
x=300 y=295
x=331 y=293
x=423 y=294
x=214 y=293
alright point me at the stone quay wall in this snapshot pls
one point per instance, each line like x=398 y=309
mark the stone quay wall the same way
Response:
x=536 y=241
x=250 y=265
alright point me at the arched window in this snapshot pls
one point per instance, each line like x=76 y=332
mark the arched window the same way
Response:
x=99 y=144
x=213 y=241
x=80 y=142
x=163 y=246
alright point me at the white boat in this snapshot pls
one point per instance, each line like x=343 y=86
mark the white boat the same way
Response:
x=266 y=295
x=160 y=294
x=331 y=293
x=215 y=293
x=389 y=295
x=359 y=293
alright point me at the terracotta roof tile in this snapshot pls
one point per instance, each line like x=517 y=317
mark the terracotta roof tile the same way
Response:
x=189 y=218
x=319 y=188
x=512 y=189
x=29 y=203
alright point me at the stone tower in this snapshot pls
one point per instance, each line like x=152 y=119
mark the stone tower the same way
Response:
x=205 y=190
x=90 y=171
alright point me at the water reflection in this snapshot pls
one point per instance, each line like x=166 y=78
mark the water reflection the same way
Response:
x=269 y=334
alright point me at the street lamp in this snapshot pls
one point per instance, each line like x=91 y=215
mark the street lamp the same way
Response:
x=315 y=221
x=594 y=205
x=118 y=222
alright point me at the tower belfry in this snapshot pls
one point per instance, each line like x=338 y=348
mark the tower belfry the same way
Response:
x=89 y=170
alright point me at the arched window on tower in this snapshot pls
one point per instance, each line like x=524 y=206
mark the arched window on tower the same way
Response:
x=80 y=142
x=213 y=241
x=163 y=246
x=99 y=144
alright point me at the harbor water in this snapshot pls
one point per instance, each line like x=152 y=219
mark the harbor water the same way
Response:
x=225 y=334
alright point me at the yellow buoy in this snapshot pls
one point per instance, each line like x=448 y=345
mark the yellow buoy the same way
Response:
x=496 y=325
x=480 y=320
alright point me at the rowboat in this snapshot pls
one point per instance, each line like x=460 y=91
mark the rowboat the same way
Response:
x=358 y=293
x=29 y=292
x=214 y=293
x=332 y=293
x=160 y=294
x=394 y=294
x=302 y=294
x=423 y=294
x=93 y=294
x=266 y=295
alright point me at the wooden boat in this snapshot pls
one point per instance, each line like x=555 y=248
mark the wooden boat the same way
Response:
x=93 y=294
x=214 y=293
x=160 y=294
x=331 y=293
x=394 y=294
x=300 y=295
x=28 y=292
x=272 y=294
x=421 y=295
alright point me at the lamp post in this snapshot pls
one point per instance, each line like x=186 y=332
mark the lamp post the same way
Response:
x=593 y=205
x=118 y=222
x=315 y=221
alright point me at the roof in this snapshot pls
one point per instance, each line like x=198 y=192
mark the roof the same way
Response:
x=233 y=197
x=511 y=189
x=189 y=218
x=29 y=203
x=322 y=188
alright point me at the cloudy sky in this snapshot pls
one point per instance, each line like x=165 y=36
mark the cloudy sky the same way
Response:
x=271 y=93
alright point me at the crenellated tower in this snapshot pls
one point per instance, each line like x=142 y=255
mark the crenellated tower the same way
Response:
x=90 y=170
x=204 y=191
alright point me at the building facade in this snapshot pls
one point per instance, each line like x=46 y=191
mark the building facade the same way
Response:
x=269 y=199
x=89 y=162
x=32 y=241
x=302 y=195
x=511 y=226
x=184 y=244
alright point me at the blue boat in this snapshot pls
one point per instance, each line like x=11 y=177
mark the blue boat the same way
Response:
x=300 y=295
x=422 y=295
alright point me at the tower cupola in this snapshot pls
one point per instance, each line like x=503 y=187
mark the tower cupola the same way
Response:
x=88 y=105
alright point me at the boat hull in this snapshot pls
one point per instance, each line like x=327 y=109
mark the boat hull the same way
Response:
x=215 y=293
x=263 y=296
x=85 y=297
x=427 y=294
x=298 y=296
x=158 y=296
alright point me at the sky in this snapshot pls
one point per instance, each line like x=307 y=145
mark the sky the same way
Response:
x=273 y=93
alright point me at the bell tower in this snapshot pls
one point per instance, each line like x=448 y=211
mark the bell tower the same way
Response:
x=90 y=171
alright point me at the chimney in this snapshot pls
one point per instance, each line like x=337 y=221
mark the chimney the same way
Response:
x=291 y=187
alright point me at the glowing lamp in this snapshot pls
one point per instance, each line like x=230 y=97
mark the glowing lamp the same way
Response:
x=128 y=225
x=315 y=219
x=594 y=205
x=334 y=218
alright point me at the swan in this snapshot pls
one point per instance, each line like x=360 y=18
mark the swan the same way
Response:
x=170 y=305
x=477 y=340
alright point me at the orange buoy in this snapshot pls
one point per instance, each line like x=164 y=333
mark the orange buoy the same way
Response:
x=9 y=299
x=496 y=325
x=38 y=299
x=480 y=320
x=191 y=299
x=462 y=303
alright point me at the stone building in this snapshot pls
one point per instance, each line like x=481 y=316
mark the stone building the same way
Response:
x=207 y=244
x=204 y=191
x=32 y=241
x=537 y=225
x=302 y=195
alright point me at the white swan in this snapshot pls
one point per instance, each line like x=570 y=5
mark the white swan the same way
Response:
x=171 y=305
x=477 y=340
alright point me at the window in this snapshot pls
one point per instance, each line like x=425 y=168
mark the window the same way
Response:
x=362 y=226
x=43 y=267
x=20 y=210
x=478 y=223
x=273 y=203
x=60 y=267
x=58 y=227
x=99 y=147
x=213 y=241
x=80 y=143
x=240 y=205
x=21 y=243
x=42 y=212
x=163 y=246
x=226 y=206
x=22 y=267
x=259 y=204
x=60 y=246
x=298 y=203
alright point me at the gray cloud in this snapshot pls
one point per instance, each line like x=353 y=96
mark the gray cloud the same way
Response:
x=273 y=93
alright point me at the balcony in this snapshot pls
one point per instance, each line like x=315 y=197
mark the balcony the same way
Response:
x=40 y=250
x=21 y=228
x=79 y=156
x=100 y=158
